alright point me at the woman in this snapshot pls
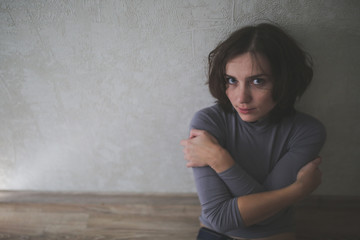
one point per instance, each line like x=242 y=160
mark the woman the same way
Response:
x=253 y=155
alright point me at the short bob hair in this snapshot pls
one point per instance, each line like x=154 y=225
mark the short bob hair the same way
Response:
x=291 y=67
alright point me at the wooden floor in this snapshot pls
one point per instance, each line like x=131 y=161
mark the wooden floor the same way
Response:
x=34 y=215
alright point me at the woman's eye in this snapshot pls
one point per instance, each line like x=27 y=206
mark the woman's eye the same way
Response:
x=231 y=81
x=258 y=82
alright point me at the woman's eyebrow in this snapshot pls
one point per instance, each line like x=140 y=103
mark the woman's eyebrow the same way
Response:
x=258 y=75
x=227 y=75
x=250 y=77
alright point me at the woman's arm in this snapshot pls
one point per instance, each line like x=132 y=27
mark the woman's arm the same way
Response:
x=201 y=149
x=224 y=212
x=304 y=145
x=257 y=207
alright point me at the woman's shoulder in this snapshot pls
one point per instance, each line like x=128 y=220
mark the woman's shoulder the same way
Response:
x=305 y=120
x=214 y=112
x=307 y=126
x=212 y=119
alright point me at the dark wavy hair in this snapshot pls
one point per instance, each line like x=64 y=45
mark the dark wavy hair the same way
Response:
x=291 y=67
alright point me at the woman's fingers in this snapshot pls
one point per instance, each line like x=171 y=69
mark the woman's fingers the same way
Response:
x=195 y=132
x=183 y=142
x=317 y=161
x=187 y=150
x=311 y=166
x=310 y=175
x=198 y=147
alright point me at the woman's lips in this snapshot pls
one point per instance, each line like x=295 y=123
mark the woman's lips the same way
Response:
x=246 y=110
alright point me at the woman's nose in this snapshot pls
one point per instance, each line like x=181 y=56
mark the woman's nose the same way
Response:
x=243 y=94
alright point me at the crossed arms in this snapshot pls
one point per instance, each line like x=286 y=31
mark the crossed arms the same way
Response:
x=224 y=187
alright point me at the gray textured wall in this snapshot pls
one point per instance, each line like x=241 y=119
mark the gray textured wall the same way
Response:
x=96 y=95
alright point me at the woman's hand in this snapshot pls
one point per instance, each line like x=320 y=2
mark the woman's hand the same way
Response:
x=309 y=176
x=257 y=207
x=201 y=149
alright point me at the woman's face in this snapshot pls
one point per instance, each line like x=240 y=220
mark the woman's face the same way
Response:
x=249 y=86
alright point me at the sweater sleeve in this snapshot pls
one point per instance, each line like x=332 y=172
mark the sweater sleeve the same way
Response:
x=304 y=145
x=218 y=192
x=219 y=207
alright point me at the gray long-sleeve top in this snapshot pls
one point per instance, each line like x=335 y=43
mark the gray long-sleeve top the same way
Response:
x=268 y=157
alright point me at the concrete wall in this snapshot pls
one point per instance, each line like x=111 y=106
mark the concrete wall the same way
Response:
x=96 y=95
